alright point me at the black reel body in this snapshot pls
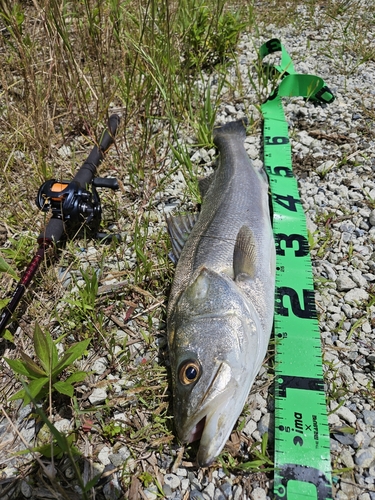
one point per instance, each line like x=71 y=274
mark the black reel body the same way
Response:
x=77 y=207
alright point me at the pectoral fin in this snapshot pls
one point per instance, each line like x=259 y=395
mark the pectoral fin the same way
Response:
x=179 y=228
x=245 y=253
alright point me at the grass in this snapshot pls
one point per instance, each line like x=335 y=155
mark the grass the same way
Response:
x=65 y=67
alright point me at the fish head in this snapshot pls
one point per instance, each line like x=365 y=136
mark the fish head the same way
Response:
x=216 y=352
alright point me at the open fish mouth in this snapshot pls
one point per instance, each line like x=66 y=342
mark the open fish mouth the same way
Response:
x=212 y=423
x=212 y=430
x=197 y=431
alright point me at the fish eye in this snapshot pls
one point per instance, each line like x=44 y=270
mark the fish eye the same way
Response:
x=189 y=372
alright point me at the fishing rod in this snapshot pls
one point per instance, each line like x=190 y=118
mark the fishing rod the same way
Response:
x=73 y=207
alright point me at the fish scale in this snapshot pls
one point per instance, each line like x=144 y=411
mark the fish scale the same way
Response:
x=302 y=446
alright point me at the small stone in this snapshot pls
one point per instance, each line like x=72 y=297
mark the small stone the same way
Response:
x=369 y=417
x=103 y=455
x=218 y=495
x=237 y=492
x=340 y=495
x=361 y=440
x=361 y=378
x=167 y=490
x=347 y=486
x=185 y=484
x=264 y=424
x=230 y=110
x=209 y=490
x=181 y=472
x=226 y=488
x=196 y=495
x=252 y=152
x=334 y=420
x=26 y=489
x=305 y=139
x=372 y=218
x=64 y=425
x=346 y=373
x=124 y=452
x=366 y=327
x=98 y=395
x=365 y=457
x=356 y=295
x=346 y=414
x=250 y=427
x=99 y=366
x=116 y=459
x=258 y=494
x=344 y=283
x=112 y=489
x=347 y=458
x=151 y=493
x=359 y=279
x=64 y=152
x=172 y=480
x=345 y=439
x=331 y=274
x=364 y=496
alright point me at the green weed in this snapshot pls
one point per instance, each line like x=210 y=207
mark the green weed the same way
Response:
x=45 y=375
x=259 y=459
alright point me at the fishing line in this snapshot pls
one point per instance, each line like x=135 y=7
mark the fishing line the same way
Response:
x=302 y=445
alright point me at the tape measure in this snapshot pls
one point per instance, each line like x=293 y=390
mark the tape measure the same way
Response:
x=302 y=446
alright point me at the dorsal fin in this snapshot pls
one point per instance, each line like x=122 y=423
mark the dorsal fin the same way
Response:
x=179 y=228
x=245 y=253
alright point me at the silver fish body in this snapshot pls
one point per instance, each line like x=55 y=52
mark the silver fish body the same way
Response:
x=220 y=310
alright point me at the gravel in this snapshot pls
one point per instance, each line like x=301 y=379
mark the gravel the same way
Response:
x=334 y=161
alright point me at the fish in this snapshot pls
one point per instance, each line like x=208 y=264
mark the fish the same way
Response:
x=221 y=304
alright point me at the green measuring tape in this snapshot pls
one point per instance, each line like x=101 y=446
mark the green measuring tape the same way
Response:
x=302 y=447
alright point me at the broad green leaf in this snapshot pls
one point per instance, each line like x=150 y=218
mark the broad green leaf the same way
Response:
x=17 y=366
x=76 y=377
x=34 y=370
x=73 y=353
x=6 y=268
x=19 y=395
x=8 y=336
x=45 y=349
x=31 y=391
x=64 y=388
x=35 y=387
x=47 y=450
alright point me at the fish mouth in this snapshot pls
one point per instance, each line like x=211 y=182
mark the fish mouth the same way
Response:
x=213 y=430
x=197 y=431
x=214 y=423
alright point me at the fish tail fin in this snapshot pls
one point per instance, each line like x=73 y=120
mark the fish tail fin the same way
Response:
x=231 y=129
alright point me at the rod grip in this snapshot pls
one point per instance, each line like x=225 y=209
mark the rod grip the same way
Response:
x=87 y=171
x=53 y=231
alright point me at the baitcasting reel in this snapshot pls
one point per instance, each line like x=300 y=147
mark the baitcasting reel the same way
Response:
x=75 y=206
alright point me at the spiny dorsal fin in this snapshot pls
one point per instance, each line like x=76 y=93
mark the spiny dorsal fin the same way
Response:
x=245 y=254
x=179 y=228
